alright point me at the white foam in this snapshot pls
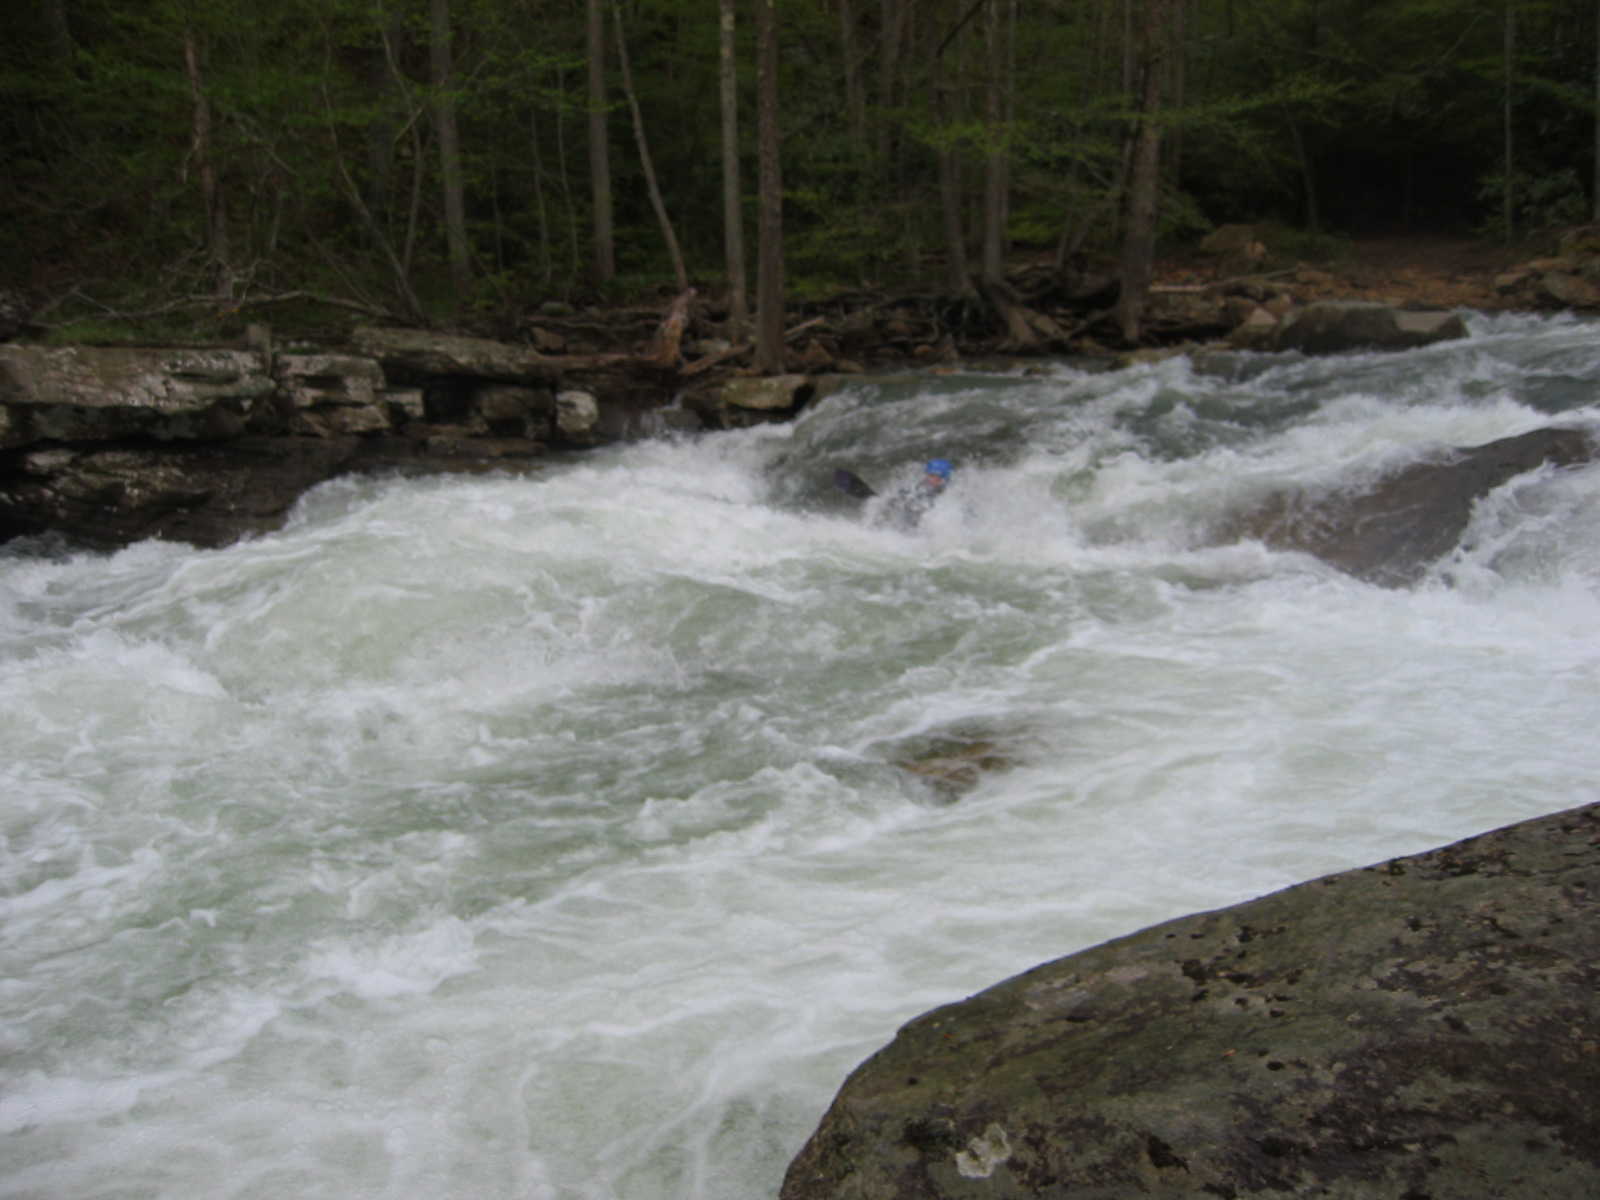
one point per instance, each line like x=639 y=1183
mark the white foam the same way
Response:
x=547 y=836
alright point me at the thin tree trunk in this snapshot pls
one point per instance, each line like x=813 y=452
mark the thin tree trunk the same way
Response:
x=855 y=93
x=450 y=174
x=1596 y=210
x=955 y=237
x=389 y=32
x=732 y=206
x=605 y=243
x=889 y=32
x=1308 y=177
x=994 y=166
x=400 y=269
x=1508 y=187
x=1178 y=89
x=58 y=33
x=680 y=272
x=200 y=150
x=769 y=274
x=540 y=209
x=1139 y=235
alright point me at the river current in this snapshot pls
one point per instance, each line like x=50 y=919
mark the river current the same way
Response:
x=548 y=836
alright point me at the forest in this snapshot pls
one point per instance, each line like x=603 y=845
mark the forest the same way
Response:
x=449 y=162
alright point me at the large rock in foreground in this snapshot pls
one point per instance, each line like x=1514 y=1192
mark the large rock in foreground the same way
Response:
x=1429 y=1027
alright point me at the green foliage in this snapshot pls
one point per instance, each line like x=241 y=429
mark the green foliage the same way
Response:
x=1359 y=112
x=1539 y=203
x=1290 y=244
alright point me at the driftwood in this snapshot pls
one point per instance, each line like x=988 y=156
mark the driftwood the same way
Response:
x=1026 y=328
x=664 y=348
x=1200 y=289
x=701 y=365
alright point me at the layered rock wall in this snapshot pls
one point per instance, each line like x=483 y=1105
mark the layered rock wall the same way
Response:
x=107 y=445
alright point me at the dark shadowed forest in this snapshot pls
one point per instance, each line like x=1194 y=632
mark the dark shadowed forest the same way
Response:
x=188 y=165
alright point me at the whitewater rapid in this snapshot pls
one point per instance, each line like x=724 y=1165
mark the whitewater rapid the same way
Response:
x=546 y=836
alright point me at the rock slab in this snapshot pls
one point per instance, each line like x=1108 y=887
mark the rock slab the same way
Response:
x=1425 y=1028
x=1393 y=532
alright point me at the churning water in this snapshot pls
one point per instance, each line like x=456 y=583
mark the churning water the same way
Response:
x=546 y=836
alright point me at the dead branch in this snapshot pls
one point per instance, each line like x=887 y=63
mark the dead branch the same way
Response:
x=664 y=347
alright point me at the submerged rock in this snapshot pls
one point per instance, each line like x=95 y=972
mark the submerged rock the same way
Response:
x=1426 y=1027
x=953 y=764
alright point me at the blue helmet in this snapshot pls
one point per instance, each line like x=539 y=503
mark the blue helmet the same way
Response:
x=938 y=466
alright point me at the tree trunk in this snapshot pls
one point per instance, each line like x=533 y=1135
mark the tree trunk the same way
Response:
x=58 y=32
x=855 y=95
x=680 y=272
x=1308 y=177
x=769 y=277
x=605 y=242
x=205 y=166
x=955 y=237
x=450 y=175
x=1508 y=186
x=889 y=34
x=1178 y=89
x=994 y=165
x=732 y=198
x=1144 y=180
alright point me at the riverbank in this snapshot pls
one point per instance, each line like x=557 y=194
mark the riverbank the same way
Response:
x=109 y=444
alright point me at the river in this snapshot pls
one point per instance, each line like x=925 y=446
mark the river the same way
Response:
x=547 y=836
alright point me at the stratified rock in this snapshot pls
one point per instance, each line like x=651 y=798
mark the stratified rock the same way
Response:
x=1429 y=1027
x=99 y=393
x=1392 y=533
x=330 y=395
x=205 y=494
x=1334 y=326
x=408 y=354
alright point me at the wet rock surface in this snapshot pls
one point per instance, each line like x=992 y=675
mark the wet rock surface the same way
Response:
x=103 y=446
x=1392 y=533
x=1426 y=1027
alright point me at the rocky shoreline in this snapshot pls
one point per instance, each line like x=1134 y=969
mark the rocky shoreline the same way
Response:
x=103 y=446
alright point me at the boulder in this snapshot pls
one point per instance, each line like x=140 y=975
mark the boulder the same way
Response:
x=1428 y=1027
x=577 y=414
x=510 y=410
x=1569 y=290
x=1234 y=249
x=1335 y=326
x=1567 y=281
x=1391 y=533
x=753 y=398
